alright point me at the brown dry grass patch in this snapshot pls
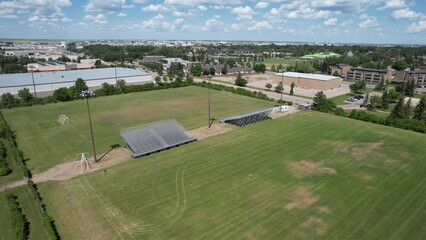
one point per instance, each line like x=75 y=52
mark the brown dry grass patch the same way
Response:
x=306 y=168
x=301 y=198
x=216 y=129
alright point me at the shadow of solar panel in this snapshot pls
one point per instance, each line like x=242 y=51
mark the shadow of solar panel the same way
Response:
x=154 y=137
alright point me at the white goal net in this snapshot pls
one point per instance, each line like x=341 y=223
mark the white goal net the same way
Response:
x=63 y=119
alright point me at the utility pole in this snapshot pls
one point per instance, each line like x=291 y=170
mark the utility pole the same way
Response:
x=282 y=84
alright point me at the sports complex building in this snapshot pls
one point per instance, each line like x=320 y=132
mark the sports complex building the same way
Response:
x=308 y=81
x=46 y=82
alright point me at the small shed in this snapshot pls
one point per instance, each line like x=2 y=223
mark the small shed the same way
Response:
x=304 y=107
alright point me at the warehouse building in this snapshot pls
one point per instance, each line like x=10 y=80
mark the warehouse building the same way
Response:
x=308 y=81
x=46 y=82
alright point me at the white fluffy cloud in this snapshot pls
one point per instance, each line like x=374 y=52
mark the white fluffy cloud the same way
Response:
x=262 y=5
x=330 y=22
x=260 y=26
x=121 y=14
x=158 y=22
x=405 y=13
x=417 y=27
x=347 y=23
x=157 y=8
x=368 y=21
x=202 y=8
x=213 y=24
x=242 y=10
x=99 y=18
x=103 y=5
x=392 y=4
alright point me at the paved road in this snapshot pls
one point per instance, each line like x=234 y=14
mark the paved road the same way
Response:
x=270 y=94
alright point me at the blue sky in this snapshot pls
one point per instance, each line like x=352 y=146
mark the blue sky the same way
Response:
x=352 y=21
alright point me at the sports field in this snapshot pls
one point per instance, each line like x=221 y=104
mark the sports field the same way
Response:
x=305 y=176
x=46 y=143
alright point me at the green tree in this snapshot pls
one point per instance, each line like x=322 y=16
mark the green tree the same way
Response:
x=399 y=65
x=398 y=111
x=231 y=62
x=80 y=85
x=25 y=95
x=273 y=68
x=189 y=79
x=157 y=80
x=420 y=110
x=121 y=85
x=408 y=109
x=212 y=71
x=292 y=85
x=279 y=88
x=376 y=102
x=322 y=104
x=98 y=63
x=380 y=86
x=225 y=69
x=240 y=81
x=268 y=86
x=8 y=100
x=385 y=99
x=336 y=73
x=196 y=70
x=62 y=94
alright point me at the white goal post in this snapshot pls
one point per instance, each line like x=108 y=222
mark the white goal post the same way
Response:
x=63 y=119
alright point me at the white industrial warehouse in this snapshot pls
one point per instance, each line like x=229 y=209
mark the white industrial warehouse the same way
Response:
x=46 y=82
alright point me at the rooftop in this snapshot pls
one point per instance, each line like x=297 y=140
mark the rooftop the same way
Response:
x=308 y=75
x=23 y=79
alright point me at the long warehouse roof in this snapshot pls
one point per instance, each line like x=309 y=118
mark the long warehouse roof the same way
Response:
x=22 y=79
x=308 y=75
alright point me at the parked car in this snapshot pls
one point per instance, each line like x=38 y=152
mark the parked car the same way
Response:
x=358 y=97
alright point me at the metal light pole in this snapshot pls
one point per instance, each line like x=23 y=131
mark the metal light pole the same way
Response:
x=32 y=74
x=209 y=123
x=282 y=85
x=115 y=70
x=87 y=94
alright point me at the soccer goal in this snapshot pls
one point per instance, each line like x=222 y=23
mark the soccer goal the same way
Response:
x=83 y=162
x=63 y=119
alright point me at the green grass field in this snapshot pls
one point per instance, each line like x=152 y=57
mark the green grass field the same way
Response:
x=306 y=176
x=29 y=209
x=46 y=143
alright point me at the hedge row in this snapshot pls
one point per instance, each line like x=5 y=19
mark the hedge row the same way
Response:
x=4 y=167
x=240 y=91
x=109 y=89
x=408 y=124
x=48 y=222
x=19 y=223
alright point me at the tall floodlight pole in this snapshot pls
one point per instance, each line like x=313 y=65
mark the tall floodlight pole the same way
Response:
x=87 y=94
x=32 y=74
x=115 y=70
x=282 y=84
x=209 y=123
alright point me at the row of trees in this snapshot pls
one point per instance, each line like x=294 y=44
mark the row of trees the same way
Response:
x=20 y=224
x=4 y=166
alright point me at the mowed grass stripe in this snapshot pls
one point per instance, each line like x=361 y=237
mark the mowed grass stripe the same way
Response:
x=46 y=143
x=238 y=184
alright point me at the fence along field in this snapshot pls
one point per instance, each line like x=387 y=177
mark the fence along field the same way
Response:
x=306 y=176
x=47 y=143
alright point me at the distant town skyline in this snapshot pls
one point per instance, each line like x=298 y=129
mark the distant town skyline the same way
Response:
x=337 y=21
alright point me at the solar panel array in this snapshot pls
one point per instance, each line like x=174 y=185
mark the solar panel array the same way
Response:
x=248 y=118
x=145 y=139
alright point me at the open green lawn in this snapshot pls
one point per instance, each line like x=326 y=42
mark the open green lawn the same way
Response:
x=29 y=209
x=306 y=176
x=46 y=143
x=286 y=62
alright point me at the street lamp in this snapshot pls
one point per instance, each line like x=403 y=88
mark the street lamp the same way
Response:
x=87 y=94
x=209 y=77
x=32 y=74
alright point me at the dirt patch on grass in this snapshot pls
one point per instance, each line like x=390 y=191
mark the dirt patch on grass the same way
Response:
x=306 y=168
x=301 y=198
x=324 y=209
x=216 y=129
x=365 y=149
x=316 y=224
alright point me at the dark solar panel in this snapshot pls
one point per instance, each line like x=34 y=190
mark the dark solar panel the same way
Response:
x=154 y=137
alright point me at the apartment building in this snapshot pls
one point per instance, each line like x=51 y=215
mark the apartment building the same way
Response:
x=419 y=76
x=370 y=75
